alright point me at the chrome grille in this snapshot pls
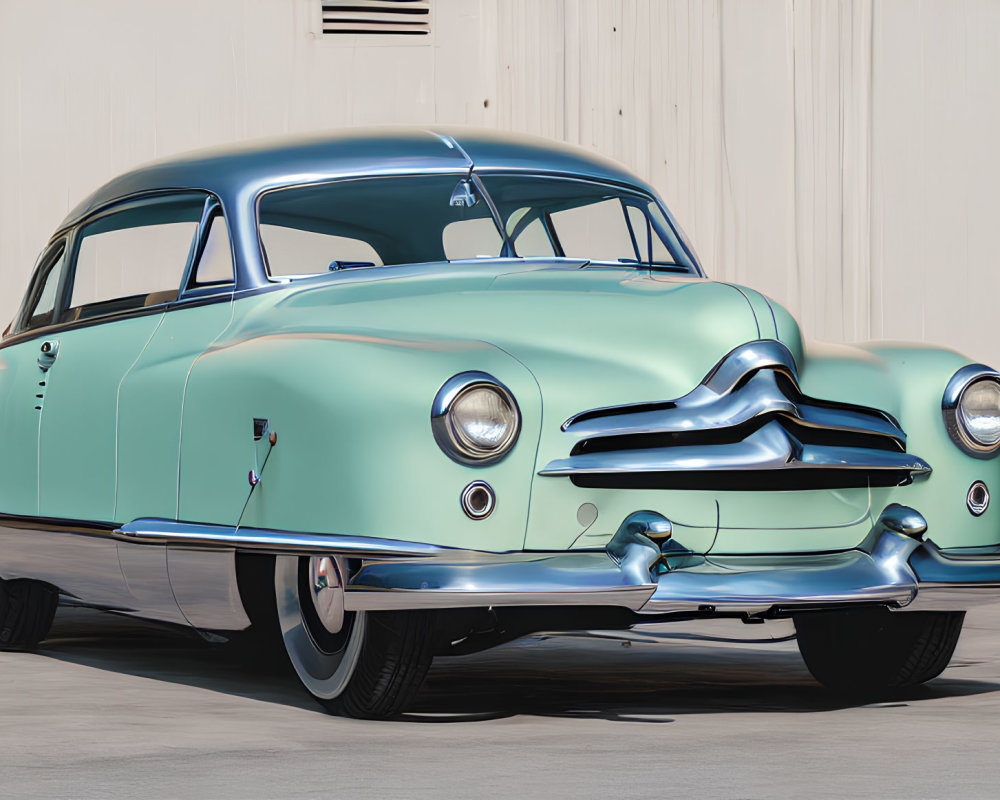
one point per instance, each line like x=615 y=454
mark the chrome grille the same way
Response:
x=747 y=425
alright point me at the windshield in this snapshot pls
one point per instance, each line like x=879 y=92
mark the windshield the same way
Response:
x=410 y=219
x=572 y=218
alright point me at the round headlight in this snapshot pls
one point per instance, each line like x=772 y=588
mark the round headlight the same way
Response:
x=483 y=419
x=971 y=406
x=475 y=419
x=979 y=409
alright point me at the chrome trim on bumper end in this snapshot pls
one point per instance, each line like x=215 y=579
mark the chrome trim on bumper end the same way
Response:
x=954 y=581
x=620 y=576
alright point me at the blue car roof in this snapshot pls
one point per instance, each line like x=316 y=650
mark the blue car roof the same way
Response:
x=233 y=171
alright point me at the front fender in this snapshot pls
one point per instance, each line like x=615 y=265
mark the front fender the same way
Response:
x=916 y=376
x=355 y=453
x=908 y=381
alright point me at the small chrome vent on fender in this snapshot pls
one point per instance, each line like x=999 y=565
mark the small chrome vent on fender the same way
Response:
x=746 y=426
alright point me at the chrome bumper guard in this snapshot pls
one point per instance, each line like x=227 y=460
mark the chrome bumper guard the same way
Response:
x=641 y=569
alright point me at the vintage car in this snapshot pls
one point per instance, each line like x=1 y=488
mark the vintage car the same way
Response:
x=390 y=394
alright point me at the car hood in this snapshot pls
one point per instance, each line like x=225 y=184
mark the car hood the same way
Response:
x=591 y=336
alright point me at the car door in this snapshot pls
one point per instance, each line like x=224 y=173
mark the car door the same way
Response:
x=151 y=398
x=126 y=267
x=23 y=385
x=175 y=581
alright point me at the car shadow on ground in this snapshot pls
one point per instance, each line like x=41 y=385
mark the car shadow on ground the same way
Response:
x=563 y=676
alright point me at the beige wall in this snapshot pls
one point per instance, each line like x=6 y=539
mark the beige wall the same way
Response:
x=838 y=154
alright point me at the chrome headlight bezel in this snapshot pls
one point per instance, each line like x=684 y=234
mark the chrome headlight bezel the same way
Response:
x=951 y=405
x=445 y=434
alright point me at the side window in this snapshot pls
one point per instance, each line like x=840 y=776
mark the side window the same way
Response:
x=215 y=265
x=528 y=235
x=40 y=302
x=597 y=231
x=651 y=247
x=471 y=238
x=134 y=257
x=294 y=251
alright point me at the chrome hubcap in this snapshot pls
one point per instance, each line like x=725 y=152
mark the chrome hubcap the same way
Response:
x=327 y=592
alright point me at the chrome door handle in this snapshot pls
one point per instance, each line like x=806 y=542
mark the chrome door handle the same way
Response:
x=50 y=349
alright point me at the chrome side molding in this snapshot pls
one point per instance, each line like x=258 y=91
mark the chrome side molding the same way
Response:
x=165 y=531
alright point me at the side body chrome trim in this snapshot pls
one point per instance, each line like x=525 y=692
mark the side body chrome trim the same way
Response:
x=166 y=531
x=752 y=399
x=81 y=559
x=87 y=562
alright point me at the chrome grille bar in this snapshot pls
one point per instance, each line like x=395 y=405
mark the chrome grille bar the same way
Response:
x=770 y=448
x=760 y=397
x=757 y=418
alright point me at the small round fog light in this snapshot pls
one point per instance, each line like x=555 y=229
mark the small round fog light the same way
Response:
x=978 y=498
x=478 y=500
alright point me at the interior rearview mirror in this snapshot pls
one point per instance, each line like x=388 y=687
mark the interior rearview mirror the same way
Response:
x=464 y=194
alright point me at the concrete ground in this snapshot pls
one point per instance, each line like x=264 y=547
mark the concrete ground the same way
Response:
x=116 y=708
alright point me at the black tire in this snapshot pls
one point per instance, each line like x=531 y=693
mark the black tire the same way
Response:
x=26 y=611
x=877 y=651
x=395 y=657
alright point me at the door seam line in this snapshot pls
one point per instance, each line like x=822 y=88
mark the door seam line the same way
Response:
x=118 y=395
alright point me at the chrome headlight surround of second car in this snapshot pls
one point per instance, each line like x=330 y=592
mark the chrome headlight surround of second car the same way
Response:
x=971 y=408
x=475 y=419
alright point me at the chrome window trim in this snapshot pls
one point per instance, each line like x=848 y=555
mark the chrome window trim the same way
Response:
x=162 y=308
x=186 y=298
x=450 y=391
x=117 y=207
x=188 y=288
x=476 y=175
x=56 y=247
x=245 y=278
x=960 y=381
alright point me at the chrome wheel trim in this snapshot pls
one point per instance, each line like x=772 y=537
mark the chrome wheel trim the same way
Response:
x=327 y=592
x=324 y=674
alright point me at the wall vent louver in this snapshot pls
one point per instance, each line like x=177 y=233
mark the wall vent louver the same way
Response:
x=377 y=17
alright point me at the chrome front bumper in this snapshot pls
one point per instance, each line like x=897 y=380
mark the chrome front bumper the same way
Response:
x=648 y=577
x=641 y=570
